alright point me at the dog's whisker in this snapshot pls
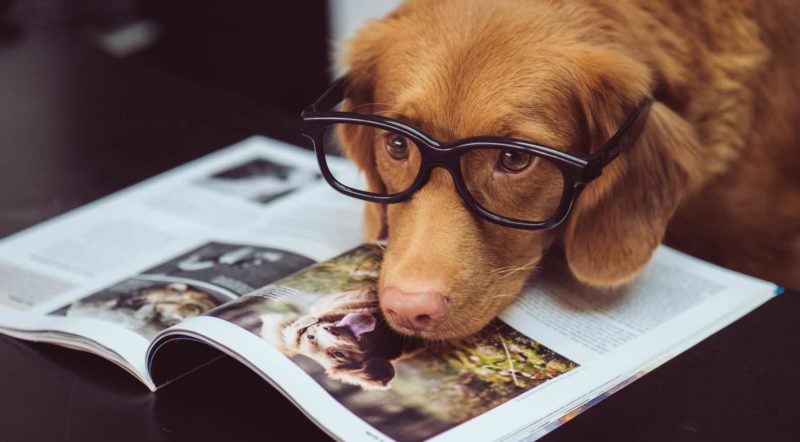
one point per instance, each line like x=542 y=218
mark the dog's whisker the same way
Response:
x=520 y=269
x=500 y=269
x=505 y=295
x=505 y=272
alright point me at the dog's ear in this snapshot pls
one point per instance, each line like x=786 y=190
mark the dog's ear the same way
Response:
x=373 y=374
x=360 y=61
x=622 y=216
x=377 y=372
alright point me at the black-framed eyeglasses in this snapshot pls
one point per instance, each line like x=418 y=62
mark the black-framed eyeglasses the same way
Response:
x=511 y=182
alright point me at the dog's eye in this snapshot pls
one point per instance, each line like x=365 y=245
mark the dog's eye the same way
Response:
x=397 y=146
x=310 y=337
x=514 y=161
x=338 y=354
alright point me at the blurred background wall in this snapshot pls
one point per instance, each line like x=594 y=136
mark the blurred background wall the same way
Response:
x=274 y=52
x=347 y=16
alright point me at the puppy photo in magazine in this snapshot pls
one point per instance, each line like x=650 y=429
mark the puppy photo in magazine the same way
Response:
x=186 y=286
x=346 y=334
x=327 y=320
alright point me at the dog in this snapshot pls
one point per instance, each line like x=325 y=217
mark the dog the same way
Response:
x=345 y=333
x=715 y=171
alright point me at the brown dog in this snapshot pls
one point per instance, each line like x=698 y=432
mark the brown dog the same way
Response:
x=716 y=169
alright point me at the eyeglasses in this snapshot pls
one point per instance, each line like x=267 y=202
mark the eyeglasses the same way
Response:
x=508 y=181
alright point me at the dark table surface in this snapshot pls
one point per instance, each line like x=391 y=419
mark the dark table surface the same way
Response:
x=76 y=125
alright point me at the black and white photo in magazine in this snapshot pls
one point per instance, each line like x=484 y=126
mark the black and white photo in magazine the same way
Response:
x=186 y=286
x=259 y=180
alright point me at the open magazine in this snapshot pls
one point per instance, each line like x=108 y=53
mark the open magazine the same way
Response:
x=248 y=253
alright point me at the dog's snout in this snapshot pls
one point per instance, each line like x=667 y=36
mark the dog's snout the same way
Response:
x=422 y=311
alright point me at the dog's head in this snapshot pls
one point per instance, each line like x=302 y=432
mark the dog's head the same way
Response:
x=343 y=348
x=560 y=75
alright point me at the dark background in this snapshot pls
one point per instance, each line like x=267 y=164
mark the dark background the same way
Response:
x=80 y=119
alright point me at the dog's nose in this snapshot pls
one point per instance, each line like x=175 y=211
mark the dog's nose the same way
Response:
x=418 y=311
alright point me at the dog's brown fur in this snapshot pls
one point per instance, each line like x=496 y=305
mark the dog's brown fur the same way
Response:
x=718 y=161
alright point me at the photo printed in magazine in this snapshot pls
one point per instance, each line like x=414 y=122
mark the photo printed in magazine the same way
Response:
x=110 y=275
x=137 y=227
x=327 y=320
x=559 y=348
x=186 y=286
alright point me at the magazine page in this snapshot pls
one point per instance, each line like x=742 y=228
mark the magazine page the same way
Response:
x=319 y=337
x=121 y=269
x=615 y=336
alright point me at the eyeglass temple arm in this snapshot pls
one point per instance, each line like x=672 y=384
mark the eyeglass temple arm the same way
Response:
x=330 y=98
x=626 y=135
